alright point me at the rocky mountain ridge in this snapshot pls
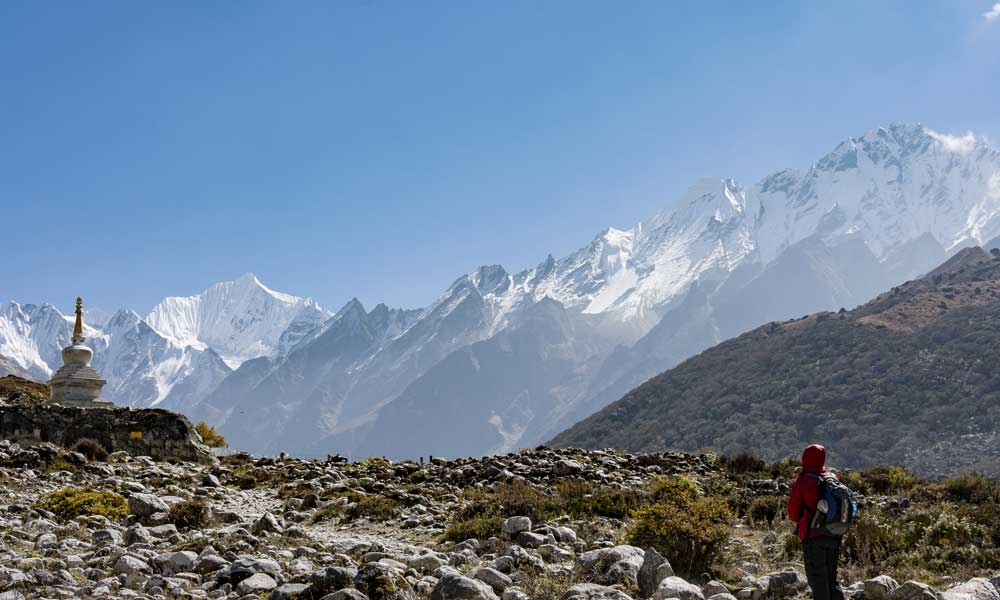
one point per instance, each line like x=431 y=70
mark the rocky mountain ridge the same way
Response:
x=906 y=378
x=878 y=210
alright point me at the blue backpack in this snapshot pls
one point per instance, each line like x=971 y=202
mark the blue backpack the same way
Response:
x=836 y=507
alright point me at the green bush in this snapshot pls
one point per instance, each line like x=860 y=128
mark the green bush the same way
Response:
x=973 y=489
x=211 y=437
x=480 y=527
x=689 y=531
x=765 y=509
x=887 y=480
x=90 y=448
x=190 y=514
x=744 y=463
x=70 y=503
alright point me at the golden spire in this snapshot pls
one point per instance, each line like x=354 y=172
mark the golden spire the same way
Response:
x=78 y=327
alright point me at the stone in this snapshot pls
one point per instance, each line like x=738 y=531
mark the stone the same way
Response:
x=134 y=570
x=785 y=584
x=879 y=588
x=654 y=569
x=145 y=505
x=267 y=523
x=713 y=588
x=380 y=581
x=291 y=591
x=529 y=539
x=347 y=594
x=675 y=587
x=568 y=467
x=592 y=591
x=515 y=525
x=257 y=583
x=459 y=587
x=183 y=561
x=977 y=588
x=493 y=578
x=913 y=590
x=608 y=566
x=722 y=596
x=106 y=537
x=243 y=568
x=137 y=534
x=331 y=579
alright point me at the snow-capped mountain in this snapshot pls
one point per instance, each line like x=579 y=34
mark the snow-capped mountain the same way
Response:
x=503 y=360
x=239 y=319
x=143 y=366
x=877 y=210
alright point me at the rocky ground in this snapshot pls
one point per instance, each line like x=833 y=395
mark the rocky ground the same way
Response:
x=286 y=528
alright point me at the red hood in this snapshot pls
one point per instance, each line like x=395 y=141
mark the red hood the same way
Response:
x=814 y=458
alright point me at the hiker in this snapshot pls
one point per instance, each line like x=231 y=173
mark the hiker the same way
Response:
x=821 y=552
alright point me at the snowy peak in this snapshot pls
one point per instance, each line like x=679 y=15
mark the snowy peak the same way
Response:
x=240 y=319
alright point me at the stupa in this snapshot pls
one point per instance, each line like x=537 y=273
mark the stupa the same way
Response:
x=76 y=383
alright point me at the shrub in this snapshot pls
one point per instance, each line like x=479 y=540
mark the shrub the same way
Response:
x=744 y=463
x=90 y=448
x=584 y=500
x=973 y=489
x=190 y=514
x=480 y=527
x=689 y=531
x=765 y=509
x=888 y=480
x=211 y=437
x=872 y=540
x=70 y=503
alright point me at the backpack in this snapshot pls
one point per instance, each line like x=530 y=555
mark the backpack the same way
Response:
x=836 y=507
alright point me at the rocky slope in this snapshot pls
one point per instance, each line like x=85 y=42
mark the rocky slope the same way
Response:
x=291 y=529
x=908 y=378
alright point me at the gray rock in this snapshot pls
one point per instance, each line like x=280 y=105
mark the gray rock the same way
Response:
x=291 y=591
x=977 y=588
x=592 y=591
x=879 y=588
x=137 y=534
x=515 y=525
x=257 y=583
x=107 y=537
x=568 y=467
x=609 y=566
x=530 y=540
x=145 y=505
x=348 y=594
x=267 y=523
x=675 y=587
x=784 y=584
x=654 y=569
x=134 y=570
x=913 y=590
x=183 y=561
x=713 y=588
x=722 y=596
x=459 y=587
x=379 y=581
x=493 y=578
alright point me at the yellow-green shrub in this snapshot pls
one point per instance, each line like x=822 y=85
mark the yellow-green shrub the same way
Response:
x=689 y=531
x=211 y=437
x=70 y=503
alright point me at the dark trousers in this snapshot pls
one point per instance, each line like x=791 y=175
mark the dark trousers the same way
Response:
x=821 y=555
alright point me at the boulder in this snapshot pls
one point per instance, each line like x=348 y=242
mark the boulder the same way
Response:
x=879 y=588
x=977 y=588
x=608 y=566
x=675 y=587
x=459 y=587
x=493 y=578
x=146 y=505
x=592 y=591
x=913 y=590
x=515 y=525
x=257 y=583
x=654 y=569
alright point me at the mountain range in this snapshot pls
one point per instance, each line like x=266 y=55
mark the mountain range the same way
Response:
x=505 y=360
x=909 y=378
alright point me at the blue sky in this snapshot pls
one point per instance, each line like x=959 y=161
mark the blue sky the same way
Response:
x=380 y=149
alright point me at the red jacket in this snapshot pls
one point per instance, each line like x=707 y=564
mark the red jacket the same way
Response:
x=805 y=492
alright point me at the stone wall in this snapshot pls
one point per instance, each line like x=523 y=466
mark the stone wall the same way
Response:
x=154 y=432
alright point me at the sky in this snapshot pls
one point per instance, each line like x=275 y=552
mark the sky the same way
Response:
x=380 y=150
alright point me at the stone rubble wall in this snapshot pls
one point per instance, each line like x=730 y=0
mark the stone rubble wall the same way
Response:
x=160 y=434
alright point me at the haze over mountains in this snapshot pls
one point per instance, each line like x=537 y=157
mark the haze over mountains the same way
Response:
x=505 y=360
